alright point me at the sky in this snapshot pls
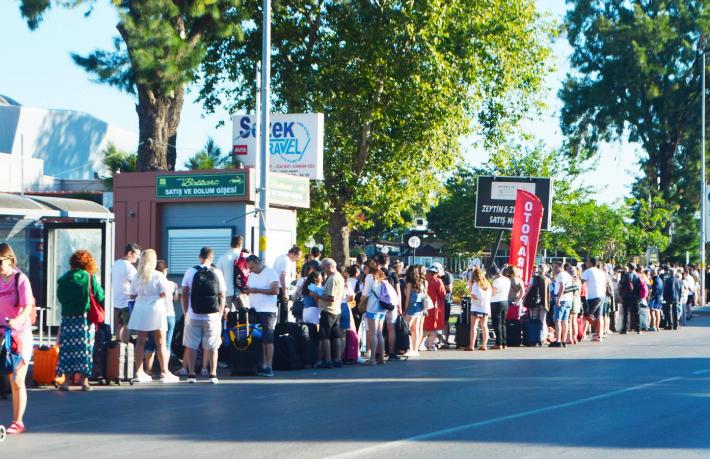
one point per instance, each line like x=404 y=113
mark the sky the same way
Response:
x=36 y=70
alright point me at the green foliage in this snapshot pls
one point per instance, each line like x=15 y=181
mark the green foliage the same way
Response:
x=459 y=289
x=117 y=161
x=636 y=76
x=210 y=157
x=399 y=84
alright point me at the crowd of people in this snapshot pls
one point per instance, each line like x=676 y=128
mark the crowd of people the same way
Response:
x=368 y=301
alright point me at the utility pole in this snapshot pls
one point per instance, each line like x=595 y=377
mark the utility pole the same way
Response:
x=265 y=129
x=703 y=190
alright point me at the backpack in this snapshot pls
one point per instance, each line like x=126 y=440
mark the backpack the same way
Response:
x=204 y=293
x=533 y=297
x=626 y=285
x=643 y=289
x=241 y=272
x=387 y=297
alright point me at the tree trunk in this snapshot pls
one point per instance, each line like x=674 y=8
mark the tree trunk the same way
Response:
x=158 y=119
x=339 y=235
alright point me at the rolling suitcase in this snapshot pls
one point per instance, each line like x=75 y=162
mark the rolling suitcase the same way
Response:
x=532 y=329
x=463 y=324
x=352 y=347
x=101 y=341
x=245 y=349
x=285 y=354
x=513 y=332
x=45 y=357
x=644 y=318
x=403 y=334
x=120 y=362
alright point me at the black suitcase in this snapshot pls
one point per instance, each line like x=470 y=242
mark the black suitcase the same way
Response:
x=513 y=332
x=463 y=324
x=245 y=353
x=286 y=356
x=102 y=339
x=308 y=345
x=403 y=335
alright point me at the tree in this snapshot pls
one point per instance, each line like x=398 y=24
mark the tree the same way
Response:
x=399 y=83
x=160 y=46
x=210 y=157
x=635 y=76
x=117 y=161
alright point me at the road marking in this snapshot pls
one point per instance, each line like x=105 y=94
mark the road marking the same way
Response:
x=370 y=450
x=700 y=372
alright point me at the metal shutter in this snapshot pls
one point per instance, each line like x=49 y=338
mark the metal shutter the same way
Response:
x=184 y=246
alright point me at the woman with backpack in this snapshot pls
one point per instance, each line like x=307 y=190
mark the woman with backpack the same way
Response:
x=77 y=333
x=415 y=289
x=149 y=314
x=374 y=313
x=16 y=310
x=481 y=292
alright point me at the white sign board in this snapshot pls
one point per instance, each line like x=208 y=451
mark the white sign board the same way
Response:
x=295 y=143
x=414 y=242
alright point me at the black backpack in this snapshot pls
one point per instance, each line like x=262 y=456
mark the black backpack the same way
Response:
x=204 y=293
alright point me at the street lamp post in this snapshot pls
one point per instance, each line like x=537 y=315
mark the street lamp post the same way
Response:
x=265 y=128
x=703 y=190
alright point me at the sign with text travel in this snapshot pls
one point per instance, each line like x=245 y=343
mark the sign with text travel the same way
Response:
x=495 y=200
x=295 y=143
x=200 y=185
x=527 y=220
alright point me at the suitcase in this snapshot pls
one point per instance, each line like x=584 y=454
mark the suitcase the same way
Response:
x=245 y=348
x=463 y=324
x=120 y=362
x=515 y=312
x=101 y=341
x=286 y=354
x=403 y=334
x=581 y=324
x=513 y=332
x=644 y=318
x=45 y=357
x=352 y=347
x=532 y=330
x=308 y=345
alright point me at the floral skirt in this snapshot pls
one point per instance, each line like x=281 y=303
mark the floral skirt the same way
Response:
x=76 y=346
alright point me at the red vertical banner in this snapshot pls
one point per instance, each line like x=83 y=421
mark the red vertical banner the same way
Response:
x=526 y=233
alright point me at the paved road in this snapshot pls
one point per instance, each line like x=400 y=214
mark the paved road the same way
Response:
x=632 y=396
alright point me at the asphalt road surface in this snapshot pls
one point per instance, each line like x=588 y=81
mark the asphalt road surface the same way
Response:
x=631 y=396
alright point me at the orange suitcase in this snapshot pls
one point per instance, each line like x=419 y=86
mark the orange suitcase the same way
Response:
x=44 y=370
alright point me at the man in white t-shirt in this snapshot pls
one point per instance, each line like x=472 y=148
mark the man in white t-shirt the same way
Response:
x=285 y=267
x=563 y=305
x=226 y=265
x=203 y=301
x=122 y=273
x=263 y=288
x=596 y=282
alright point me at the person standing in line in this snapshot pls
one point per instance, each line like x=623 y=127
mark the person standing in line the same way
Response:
x=263 y=290
x=374 y=313
x=16 y=305
x=434 y=320
x=630 y=289
x=150 y=287
x=171 y=296
x=655 y=301
x=122 y=272
x=414 y=291
x=481 y=292
x=285 y=267
x=563 y=304
x=448 y=280
x=577 y=308
x=499 y=305
x=330 y=302
x=226 y=265
x=76 y=343
x=203 y=301
x=309 y=291
x=596 y=281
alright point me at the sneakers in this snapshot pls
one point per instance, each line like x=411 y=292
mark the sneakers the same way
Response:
x=265 y=372
x=204 y=372
x=182 y=372
x=192 y=379
x=337 y=363
x=142 y=378
x=169 y=379
x=324 y=365
x=15 y=428
x=555 y=344
x=394 y=357
x=214 y=379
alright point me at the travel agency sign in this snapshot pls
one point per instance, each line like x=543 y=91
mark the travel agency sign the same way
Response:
x=295 y=143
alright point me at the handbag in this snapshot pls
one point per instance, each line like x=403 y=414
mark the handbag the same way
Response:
x=385 y=306
x=96 y=313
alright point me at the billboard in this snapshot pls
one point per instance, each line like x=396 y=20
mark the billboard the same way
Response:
x=295 y=143
x=495 y=200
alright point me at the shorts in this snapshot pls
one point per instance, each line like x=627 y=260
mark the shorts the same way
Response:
x=375 y=315
x=562 y=311
x=207 y=332
x=478 y=314
x=656 y=304
x=415 y=310
x=593 y=308
x=329 y=326
x=268 y=323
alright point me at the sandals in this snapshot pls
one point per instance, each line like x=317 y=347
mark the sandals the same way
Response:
x=15 y=428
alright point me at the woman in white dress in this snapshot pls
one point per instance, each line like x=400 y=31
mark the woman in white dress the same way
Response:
x=149 y=315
